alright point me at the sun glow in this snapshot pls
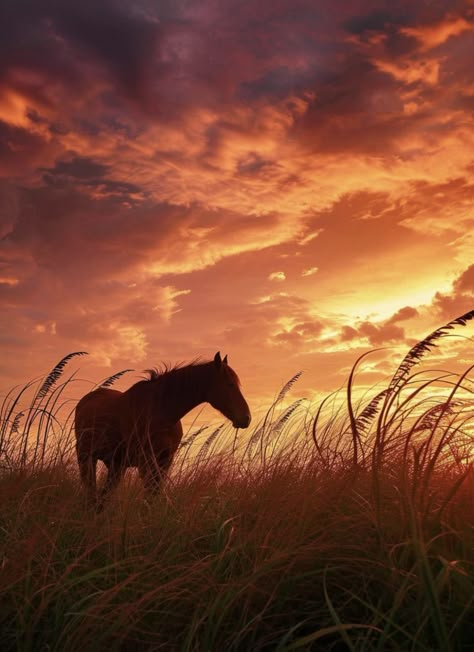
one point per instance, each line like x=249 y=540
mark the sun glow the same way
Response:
x=375 y=306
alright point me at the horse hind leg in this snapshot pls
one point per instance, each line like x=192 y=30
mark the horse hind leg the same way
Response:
x=154 y=470
x=115 y=471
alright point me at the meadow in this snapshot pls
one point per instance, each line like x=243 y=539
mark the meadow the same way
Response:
x=347 y=525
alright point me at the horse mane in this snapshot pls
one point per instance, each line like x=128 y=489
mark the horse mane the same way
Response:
x=166 y=371
x=157 y=373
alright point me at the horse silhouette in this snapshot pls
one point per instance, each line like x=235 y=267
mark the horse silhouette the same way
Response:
x=141 y=427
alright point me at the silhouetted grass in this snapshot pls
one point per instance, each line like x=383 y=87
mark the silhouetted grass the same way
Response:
x=347 y=527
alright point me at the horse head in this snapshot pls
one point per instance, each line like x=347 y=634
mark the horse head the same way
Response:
x=224 y=393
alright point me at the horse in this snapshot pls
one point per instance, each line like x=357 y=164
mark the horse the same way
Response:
x=141 y=427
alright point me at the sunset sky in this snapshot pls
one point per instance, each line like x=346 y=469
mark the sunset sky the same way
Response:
x=287 y=181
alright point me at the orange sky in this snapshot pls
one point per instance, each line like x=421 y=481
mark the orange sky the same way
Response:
x=288 y=181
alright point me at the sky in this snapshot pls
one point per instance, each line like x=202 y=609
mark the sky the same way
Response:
x=287 y=181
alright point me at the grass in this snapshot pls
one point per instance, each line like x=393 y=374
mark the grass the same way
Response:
x=347 y=527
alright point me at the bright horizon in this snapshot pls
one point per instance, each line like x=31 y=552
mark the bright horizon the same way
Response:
x=289 y=185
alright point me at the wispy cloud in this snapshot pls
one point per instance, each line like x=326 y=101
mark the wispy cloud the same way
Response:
x=277 y=276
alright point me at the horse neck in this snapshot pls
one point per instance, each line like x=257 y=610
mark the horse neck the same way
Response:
x=183 y=389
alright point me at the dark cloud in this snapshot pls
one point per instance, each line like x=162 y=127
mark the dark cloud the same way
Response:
x=357 y=108
x=81 y=168
x=119 y=235
x=171 y=59
x=83 y=171
x=19 y=147
x=360 y=102
x=96 y=225
x=279 y=82
x=60 y=34
x=255 y=165
x=375 y=21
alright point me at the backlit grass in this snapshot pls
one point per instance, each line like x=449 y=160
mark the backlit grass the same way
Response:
x=346 y=526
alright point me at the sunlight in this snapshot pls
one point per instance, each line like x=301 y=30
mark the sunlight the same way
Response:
x=382 y=307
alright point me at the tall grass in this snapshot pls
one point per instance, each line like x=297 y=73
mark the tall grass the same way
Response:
x=347 y=526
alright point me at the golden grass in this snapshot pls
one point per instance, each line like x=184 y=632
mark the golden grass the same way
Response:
x=349 y=527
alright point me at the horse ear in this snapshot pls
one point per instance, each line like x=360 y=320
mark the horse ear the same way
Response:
x=225 y=360
x=217 y=359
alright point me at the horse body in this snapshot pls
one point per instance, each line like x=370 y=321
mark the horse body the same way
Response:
x=141 y=427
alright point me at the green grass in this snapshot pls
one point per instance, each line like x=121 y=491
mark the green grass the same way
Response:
x=348 y=528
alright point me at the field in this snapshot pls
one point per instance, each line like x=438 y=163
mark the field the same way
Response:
x=343 y=526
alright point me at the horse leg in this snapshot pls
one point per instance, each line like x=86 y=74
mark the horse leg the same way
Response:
x=115 y=471
x=87 y=470
x=153 y=471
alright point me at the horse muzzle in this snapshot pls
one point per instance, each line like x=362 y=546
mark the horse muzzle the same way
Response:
x=244 y=422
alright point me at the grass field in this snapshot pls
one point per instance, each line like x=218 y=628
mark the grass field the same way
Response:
x=347 y=526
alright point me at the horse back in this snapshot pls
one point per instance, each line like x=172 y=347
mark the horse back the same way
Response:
x=97 y=420
x=109 y=422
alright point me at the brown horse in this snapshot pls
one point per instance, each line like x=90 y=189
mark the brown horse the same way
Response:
x=141 y=427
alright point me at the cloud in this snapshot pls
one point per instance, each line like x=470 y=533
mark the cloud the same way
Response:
x=438 y=33
x=381 y=334
x=440 y=208
x=465 y=282
x=161 y=238
x=461 y=298
x=277 y=276
x=386 y=332
x=376 y=334
x=114 y=321
x=8 y=280
x=66 y=39
x=161 y=164
x=403 y=314
x=92 y=177
x=77 y=168
x=409 y=72
x=299 y=334
x=20 y=148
